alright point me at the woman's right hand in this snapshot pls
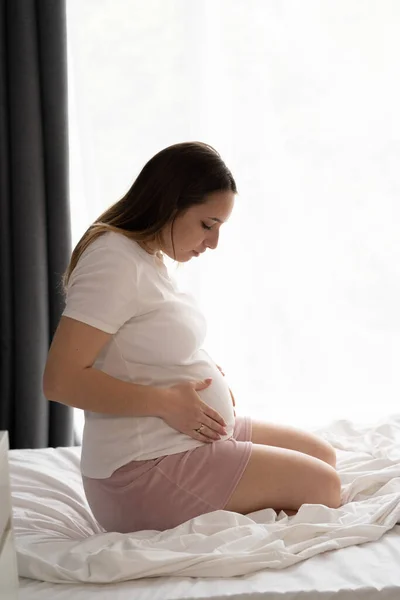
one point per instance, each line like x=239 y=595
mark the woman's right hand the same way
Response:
x=185 y=411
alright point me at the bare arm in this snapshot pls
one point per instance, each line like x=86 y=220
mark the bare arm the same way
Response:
x=70 y=378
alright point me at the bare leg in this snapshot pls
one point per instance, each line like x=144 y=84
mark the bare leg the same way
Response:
x=284 y=479
x=282 y=436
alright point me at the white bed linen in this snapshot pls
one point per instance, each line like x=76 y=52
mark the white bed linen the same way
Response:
x=367 y=572
x=58 y=540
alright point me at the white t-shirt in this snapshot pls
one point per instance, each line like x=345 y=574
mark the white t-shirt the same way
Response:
x=157 y=332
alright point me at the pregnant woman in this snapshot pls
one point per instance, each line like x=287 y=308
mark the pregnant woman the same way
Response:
x=161 y=443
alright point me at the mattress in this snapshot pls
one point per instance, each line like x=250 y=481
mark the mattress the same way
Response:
x=320 y=553
x=367 y=572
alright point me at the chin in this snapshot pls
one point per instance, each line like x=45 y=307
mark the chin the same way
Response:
x=184 y=259
x=181 y=258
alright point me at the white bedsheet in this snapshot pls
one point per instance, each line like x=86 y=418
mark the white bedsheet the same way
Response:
x=59 y=541
x=364 y=572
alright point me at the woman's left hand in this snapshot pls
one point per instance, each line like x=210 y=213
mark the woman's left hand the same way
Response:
x=230 y=391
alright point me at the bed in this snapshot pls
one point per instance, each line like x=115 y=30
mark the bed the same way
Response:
x=318 y=554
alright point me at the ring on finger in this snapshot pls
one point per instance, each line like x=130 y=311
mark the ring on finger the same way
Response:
x=199 y=429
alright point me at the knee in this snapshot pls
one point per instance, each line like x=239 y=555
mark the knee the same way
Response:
x=330 y=455
x=332 y=490
x=326 y=453
x=325 y=489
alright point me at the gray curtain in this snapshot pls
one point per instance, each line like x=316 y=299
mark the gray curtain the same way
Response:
x=34 y=215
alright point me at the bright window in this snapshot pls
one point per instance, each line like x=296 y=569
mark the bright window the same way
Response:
x=302 y=101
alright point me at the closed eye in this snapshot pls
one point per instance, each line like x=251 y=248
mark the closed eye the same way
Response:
x=206 y=226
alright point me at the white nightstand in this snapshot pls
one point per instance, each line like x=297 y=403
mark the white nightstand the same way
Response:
x=8 y=559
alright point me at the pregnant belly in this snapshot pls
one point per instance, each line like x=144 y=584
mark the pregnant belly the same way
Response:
x=217 y=395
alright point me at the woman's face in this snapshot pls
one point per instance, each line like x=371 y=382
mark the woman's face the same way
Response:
x=198 y=228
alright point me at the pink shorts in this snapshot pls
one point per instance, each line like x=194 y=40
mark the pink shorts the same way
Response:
x=164 y=492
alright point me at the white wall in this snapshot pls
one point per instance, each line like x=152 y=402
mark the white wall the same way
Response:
x=302 y=100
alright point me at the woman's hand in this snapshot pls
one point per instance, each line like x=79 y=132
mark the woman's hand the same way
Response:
x=185 y=411
x=230 y=391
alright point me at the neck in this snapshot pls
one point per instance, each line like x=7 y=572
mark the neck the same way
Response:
x=147 y=247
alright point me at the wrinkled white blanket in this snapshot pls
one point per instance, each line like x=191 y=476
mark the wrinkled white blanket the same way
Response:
x=58 y=539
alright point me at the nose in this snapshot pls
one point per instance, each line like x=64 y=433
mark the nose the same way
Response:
x=212 y=239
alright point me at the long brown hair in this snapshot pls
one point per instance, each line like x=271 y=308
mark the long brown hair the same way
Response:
x=173 y=180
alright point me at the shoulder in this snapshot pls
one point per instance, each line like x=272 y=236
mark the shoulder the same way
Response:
x=114 y=246
x=112 y=258
x=102 y=290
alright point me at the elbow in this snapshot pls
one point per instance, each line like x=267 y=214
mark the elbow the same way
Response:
x=52 y=388
x=60 y=386
x=49 y=388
